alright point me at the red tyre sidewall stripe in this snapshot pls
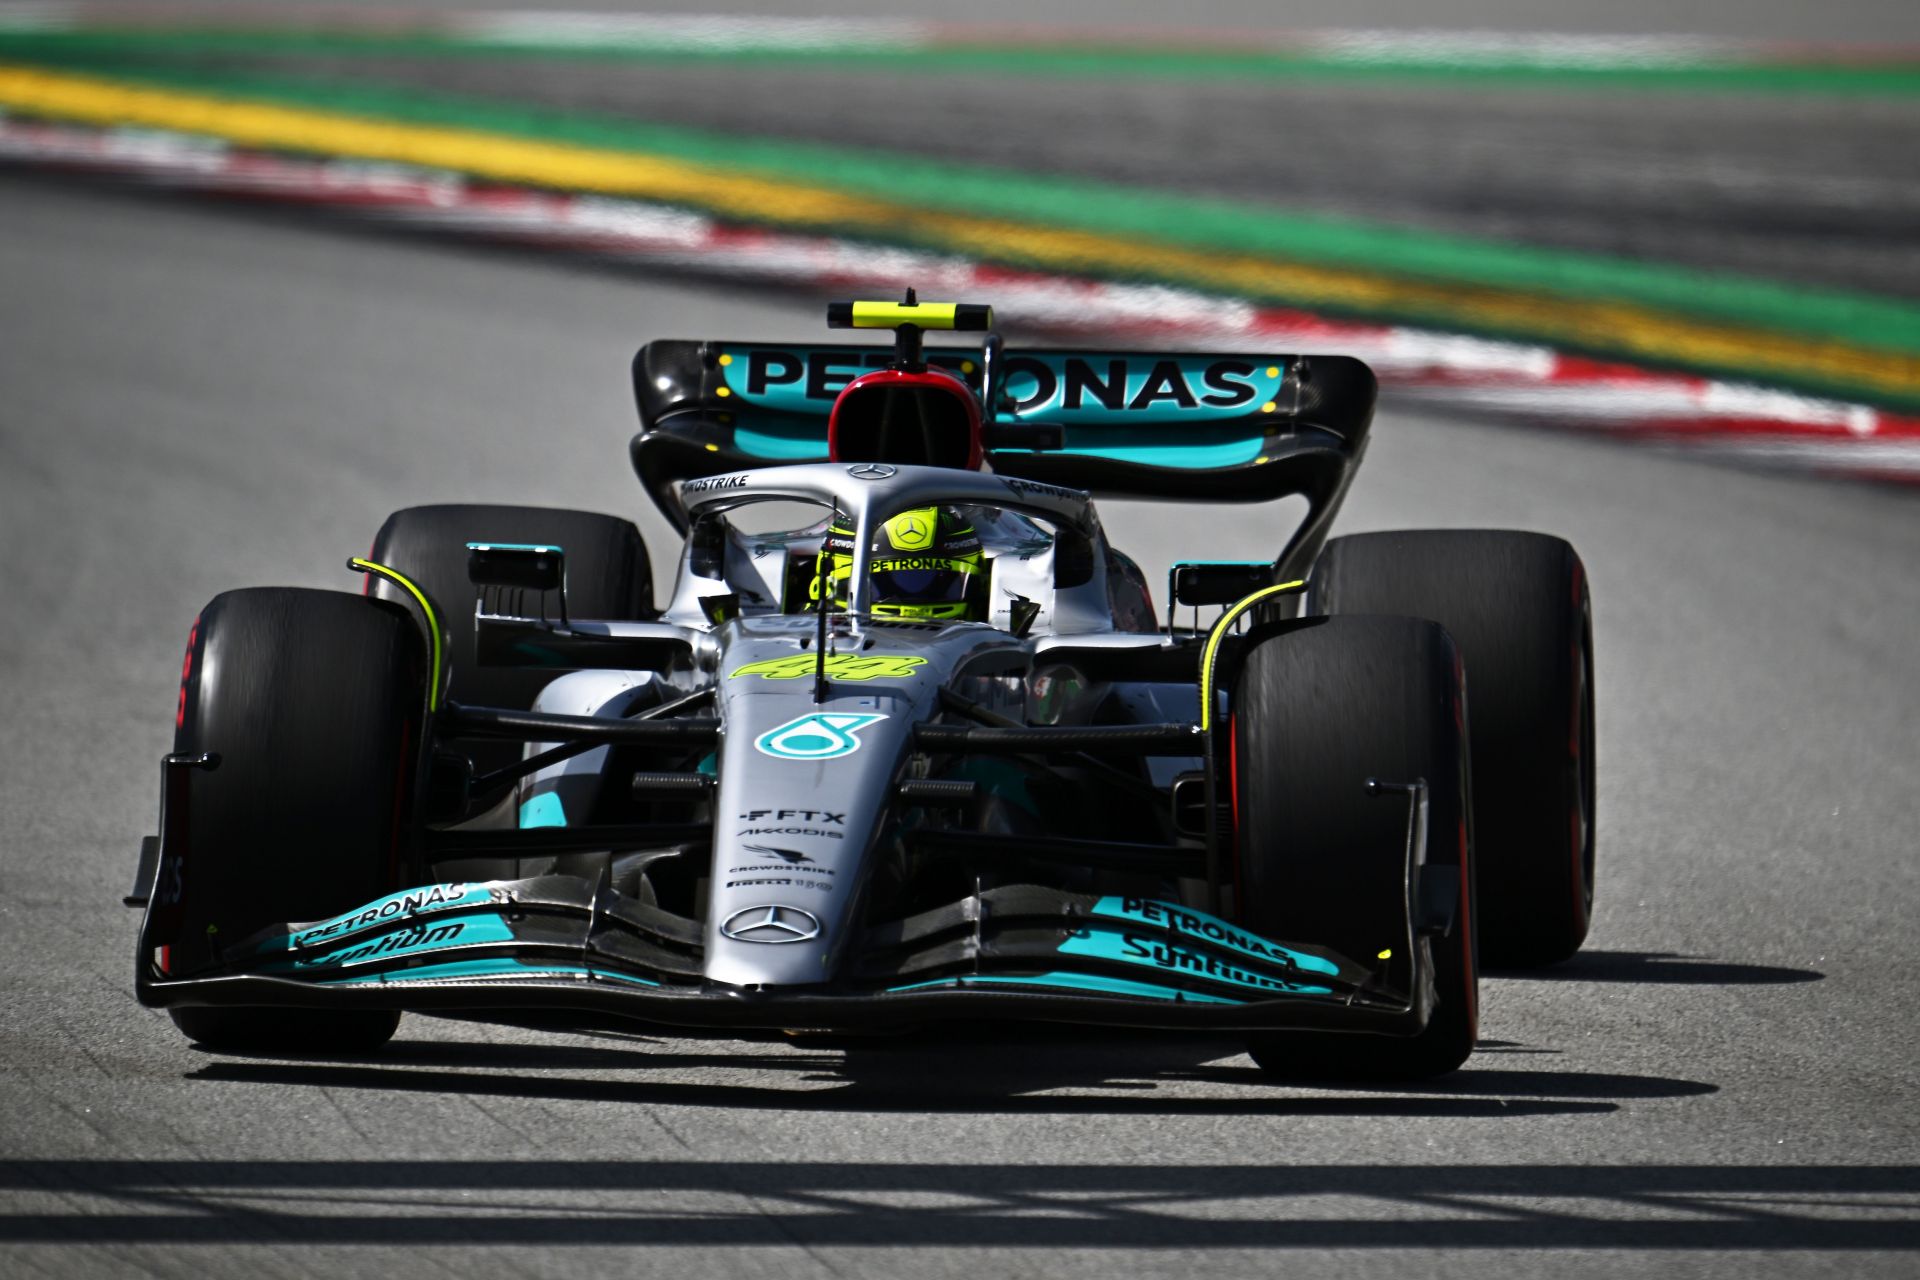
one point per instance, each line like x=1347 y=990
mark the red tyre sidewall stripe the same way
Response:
x=1233 y=810
x=1576 y=744
x=186 y=676
x=1468 y=968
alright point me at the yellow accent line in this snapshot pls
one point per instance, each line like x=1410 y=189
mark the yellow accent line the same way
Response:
x=1219 y=633
x=822 y=578
x=1624 y=329
x=434 y=632
x=107 y=102
x=884 y=315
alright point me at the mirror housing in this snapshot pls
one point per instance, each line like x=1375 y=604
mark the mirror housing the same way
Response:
x=530 y=566
x=1208 y=582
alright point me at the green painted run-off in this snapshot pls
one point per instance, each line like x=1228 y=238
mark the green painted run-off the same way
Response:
x=958 y=54
x=1211 y=225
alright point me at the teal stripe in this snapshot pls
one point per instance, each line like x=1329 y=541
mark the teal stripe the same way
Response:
x=783 y=447
x=499 y=968
x=459 y=969
x=1165 y=955
x=1185 y=924
x=1070 y=981
x=1192 y=457
x=543 y=810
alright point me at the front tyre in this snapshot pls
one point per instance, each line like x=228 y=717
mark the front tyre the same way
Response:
x=608 y=579
x=312 y=702
x=1518 y=606
x=1322 y=705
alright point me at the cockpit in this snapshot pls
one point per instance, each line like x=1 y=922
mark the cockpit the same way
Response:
x=942 y=562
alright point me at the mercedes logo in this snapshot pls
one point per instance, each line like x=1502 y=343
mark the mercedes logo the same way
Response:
x=771 y=924
x=871 y=471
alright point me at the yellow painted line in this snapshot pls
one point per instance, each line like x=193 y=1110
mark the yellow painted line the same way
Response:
x=1620 y=328
x=546 y=164
x=1636 y=331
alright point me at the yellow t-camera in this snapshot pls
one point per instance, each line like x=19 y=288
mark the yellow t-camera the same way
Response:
x=924 y=315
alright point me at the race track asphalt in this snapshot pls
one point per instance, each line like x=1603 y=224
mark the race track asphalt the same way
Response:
x=194 y=398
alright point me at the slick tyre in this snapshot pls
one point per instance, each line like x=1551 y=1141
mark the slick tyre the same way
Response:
x=608 y=577
x=311 y=700
x=1320 y=706
x=1517 y=604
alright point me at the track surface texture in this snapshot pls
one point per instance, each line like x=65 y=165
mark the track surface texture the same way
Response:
x=199 y=398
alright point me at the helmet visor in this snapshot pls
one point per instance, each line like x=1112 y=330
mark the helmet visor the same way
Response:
x=920 y=585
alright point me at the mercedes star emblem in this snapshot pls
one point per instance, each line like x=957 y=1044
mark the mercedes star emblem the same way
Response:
x=871 y=471
x=771 y=924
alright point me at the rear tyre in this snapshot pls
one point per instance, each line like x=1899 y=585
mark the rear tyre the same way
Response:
x=1517 y=604
x=312 y=701
x=1320 y=706
x=608 y=578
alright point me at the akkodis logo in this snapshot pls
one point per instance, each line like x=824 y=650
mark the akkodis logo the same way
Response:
x=824 y=735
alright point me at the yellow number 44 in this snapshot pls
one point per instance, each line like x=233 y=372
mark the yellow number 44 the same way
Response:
x=840 y=666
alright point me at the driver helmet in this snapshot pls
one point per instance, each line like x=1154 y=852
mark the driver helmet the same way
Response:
x=924 y=564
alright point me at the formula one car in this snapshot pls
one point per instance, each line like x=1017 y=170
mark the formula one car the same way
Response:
x=907 y=742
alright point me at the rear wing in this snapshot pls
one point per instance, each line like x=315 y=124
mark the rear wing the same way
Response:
x=1230 y=426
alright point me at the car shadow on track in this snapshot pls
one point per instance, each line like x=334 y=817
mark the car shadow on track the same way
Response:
x=1037 y=1071
x=961 y=1204
x=1662 y=967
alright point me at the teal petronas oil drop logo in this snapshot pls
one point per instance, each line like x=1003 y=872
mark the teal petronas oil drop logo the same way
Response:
x=824 y=735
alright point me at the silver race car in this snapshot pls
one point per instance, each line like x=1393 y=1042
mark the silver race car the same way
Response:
x=907 y=742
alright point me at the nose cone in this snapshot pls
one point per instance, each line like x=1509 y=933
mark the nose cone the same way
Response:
x=802 y=785
x=806 y=787
x=771 y=944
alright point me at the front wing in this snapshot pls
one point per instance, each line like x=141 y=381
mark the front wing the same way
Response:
x=555 y=944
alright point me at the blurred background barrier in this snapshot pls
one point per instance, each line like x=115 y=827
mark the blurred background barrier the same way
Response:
x=1705 y=243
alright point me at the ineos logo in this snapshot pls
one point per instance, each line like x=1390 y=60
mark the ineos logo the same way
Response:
x=773 y=924
x=872 y=471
